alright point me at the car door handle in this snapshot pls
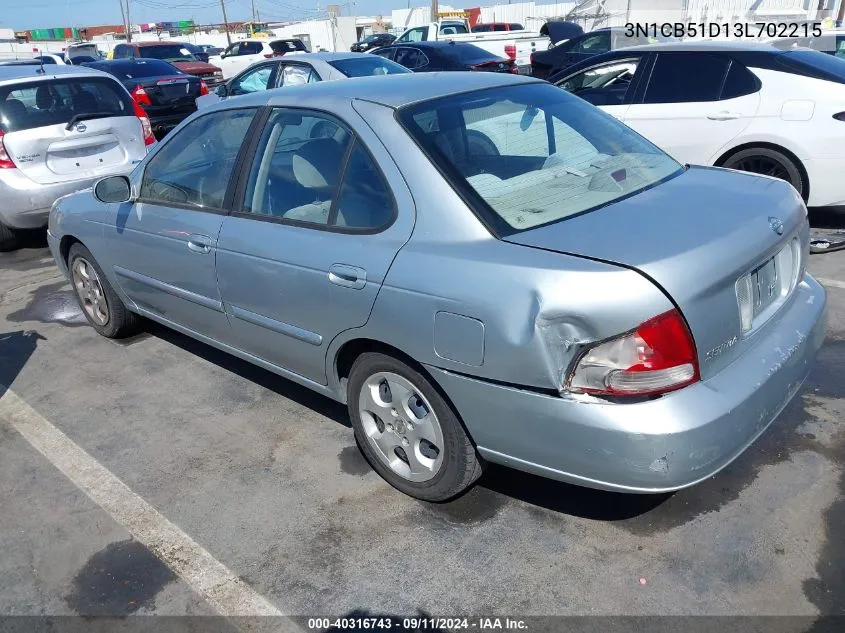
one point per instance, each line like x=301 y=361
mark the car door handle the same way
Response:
x=348 y=276
x=724 y=115
x=199 y=243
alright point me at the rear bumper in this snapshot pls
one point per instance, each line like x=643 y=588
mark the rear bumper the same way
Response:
x=826 y=185
x=25 y=204
x=651 y=446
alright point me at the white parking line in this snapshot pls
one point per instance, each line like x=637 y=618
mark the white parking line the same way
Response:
x=834 y=283
x=226 y=593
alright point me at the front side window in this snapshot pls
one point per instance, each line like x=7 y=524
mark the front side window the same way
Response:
x=606 y=84
x=415 y=35
x=672 y=82
x=298 y=175
x=387 y=53
x=57 y=101
x=254 y=80
x=529 y=155
x=234 y=49
x=411 y=58
x=194 y=166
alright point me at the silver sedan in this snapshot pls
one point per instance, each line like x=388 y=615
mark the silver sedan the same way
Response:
x=483 y=267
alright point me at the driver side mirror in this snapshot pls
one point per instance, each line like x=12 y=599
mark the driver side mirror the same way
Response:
x=113 y=190
x=222 y=91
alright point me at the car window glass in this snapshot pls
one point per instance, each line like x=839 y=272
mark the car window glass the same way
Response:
x=739 y=82
x=840 y=47
x=593 y=44
x=57 y=101
x=254 y=80
x=297 y=75
x=387 y=53
x=673 y=81
x=500 y=27
x=415 y=35
x=603 y=85
x=410 y=58
x=195 y=165
x=364 y=201
x=251 y=48
x=297 y=167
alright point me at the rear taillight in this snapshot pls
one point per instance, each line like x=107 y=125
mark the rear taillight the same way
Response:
x=510 y=50
x=657 y=357
x=531 y=59
x=839 y=116
x=140 y=96
x=269 y=55
x=146 y=126
x=5 y=161
x=514 y=70
x=203 y=88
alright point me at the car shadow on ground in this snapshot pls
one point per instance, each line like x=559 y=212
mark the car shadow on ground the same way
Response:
x=16 y=348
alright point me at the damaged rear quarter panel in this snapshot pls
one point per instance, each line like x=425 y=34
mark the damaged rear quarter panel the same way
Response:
x=539 y=308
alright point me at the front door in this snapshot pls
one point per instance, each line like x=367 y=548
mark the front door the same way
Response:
x=693 y=116
x=163 y=246
x=306 y=253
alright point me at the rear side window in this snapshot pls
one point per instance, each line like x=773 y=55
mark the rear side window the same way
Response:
x=39 y=104
x=739 y=82
x=250 y=48
x=686 y=78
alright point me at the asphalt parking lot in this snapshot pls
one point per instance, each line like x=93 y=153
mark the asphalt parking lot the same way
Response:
x=261 y=480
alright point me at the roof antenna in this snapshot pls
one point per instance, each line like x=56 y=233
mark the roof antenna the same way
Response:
x=40 y=71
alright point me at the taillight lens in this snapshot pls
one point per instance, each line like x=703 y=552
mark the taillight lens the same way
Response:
x=269 y=55
x=146 y=126
x=514 y=69
x=510 y=50
x=203 y=88
x=657 y=357
x=531 y=59
x=140 y=96
x=5 y=161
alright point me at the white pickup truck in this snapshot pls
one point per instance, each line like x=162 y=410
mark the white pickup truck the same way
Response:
x=515 y=45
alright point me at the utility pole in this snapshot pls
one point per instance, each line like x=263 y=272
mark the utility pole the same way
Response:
x=226 y=22
x=435 y=9
x=122 y=15
x=128 y=24
x=253 y=11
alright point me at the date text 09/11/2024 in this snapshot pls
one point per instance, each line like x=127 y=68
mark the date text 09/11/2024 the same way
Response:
x=733 y=30
x=418 y=623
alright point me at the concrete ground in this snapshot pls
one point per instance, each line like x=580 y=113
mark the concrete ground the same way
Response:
x=265 y=478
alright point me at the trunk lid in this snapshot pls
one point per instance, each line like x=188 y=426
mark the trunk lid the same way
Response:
x=104 y=139
x=169 y=95
x=198 y=69
x=696 y=236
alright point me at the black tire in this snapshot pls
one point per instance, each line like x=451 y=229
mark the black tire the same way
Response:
x=8 y=239
x=461 y=465
x=120 y=321
x=770 y=162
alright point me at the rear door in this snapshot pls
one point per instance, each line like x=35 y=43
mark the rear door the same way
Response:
x=65 y=129
x=304 y=255
x=694 y=104
x=163 y=246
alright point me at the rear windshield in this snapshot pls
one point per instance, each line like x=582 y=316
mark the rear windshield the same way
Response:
x=169 y=53
x=467 y=53
x=287 y=46
x=528 y=155
x=137 y=69
x=37 y=104
x=368 y=65
x=818 y=64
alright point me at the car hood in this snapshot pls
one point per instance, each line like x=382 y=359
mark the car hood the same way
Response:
x=195 y=68
x=694 y=236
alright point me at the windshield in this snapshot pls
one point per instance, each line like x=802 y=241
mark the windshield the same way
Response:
x=529 y=155
x=169 y=53
x=368 y=65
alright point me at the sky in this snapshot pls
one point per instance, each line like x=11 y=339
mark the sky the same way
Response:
x=39 y=14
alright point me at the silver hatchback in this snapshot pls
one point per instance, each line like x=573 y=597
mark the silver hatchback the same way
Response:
x=61 y=129
x=482 y=266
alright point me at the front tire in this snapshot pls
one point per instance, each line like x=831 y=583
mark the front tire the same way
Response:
x=407 y=431
x=768 y=162
x=8 y=239
x=100 y=304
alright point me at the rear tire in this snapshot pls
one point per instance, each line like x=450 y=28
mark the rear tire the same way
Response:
x=100 y=304
x=407 y=431
x=8 y=239
x=769 y=162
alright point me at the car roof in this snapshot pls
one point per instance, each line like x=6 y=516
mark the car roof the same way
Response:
x=393 y=91
x=712 y=45
x=170 y=43
x=433 y=44
x=27 y=72
x=326 y=57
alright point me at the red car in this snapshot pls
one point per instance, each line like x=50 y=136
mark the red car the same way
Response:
x=175 y=53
